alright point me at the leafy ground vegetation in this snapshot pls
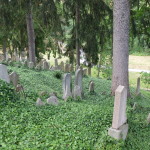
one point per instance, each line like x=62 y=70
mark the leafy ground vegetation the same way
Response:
x=71 y=125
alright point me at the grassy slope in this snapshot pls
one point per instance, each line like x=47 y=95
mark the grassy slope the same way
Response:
x=72 y=124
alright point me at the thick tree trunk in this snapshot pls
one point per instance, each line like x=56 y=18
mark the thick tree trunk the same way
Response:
x=77 y=35
x=121 y=15
x=31 y=36
x=4 y=48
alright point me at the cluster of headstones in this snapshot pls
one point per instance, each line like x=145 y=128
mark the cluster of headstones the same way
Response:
x=13 y=77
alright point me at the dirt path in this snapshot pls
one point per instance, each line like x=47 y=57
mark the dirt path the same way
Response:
x=139 y=62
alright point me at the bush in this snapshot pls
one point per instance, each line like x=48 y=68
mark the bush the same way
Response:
x=58 y=74
x=107 y=72
x=145 y=77
x=7 y=93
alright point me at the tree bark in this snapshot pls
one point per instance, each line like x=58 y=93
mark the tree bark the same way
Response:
x=31 y=35
x=77 y=35
x=121 y=15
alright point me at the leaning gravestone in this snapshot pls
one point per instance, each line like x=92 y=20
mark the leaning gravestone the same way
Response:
x=4 y=73
x=119 y=127
x=14 y=78
x=78 y=80
x=67 y=86
x=52 y=100
x=138 y=86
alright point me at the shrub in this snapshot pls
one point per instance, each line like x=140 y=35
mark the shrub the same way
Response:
x=7 y=93
x=58 y=74
x=145 y=78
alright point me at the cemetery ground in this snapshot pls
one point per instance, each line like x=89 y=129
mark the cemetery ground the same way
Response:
x=72 y=125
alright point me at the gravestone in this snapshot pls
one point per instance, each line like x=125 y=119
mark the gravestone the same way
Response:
x=138 y=86
x=56 y=62
x=67 y=86
x=148 y=119
x=66 y=68
x=39 y=102
x=78 y=80
x=14 y=78
x=62 y=65
x=77 y=92
x=52 y=100
x=91 y=87
x=4 y=73
x=31 y=65
x=38 y=67
x=119 y=127
x=45 y=65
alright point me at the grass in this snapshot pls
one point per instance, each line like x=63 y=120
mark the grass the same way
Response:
x=71 y=125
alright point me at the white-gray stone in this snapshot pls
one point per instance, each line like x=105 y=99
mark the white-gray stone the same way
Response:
x=77 y=92
x=67 y=86
x=39 y=102
x=62 y=65
x=14 y=78
x=4 y=73
x=120 y=133
x=91 y=87
x=45 y=65
x=52 y=100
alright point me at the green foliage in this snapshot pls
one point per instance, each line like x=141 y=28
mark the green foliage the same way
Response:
x=58 y=74
x=107 y=72
x=71 y=125
x=145 y=77
x=7 y=93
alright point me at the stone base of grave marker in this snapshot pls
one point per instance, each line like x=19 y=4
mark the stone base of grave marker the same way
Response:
x=120 y=133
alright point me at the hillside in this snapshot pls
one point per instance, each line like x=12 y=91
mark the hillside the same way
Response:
x=72 y=125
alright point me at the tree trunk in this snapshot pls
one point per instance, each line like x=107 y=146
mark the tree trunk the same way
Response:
x=31 y=35
x=4 y=48
x=121 y=15
x=77 y=35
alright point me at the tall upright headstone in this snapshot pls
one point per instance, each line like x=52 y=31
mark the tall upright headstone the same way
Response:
x=78 y=81
x=66 y=68
x=62 y=66
x=4 y=73
x=119 y=127
x=67 y=86
x=45 y=65
x=84 y=71
x=56 y=63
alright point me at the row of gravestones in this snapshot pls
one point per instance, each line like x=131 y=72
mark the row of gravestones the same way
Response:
x=119 y=128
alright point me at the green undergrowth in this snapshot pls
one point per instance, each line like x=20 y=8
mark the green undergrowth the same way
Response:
x=71 y=125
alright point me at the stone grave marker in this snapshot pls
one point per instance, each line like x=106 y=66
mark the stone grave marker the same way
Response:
x=45 y=65
x=39 y=102
x=119 y=127
x=67 y=86
x=4 y=73
x=52 y=100
x=91 y=87
x=66 y=68
x=56 y=62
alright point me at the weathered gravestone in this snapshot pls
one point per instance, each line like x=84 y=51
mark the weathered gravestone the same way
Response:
x=38 y=67
x=148 y=119
x=119 y=127
x=91 y=87
x=45 y=65
x=39 y=102
x=66 y=68
x=52 y=100
x=14 y=78
x=31 y=65
x=78 y=82
x=67 y=86
x=138 y=86
x=77 y=92
x=4 y=73
x=62 y=66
